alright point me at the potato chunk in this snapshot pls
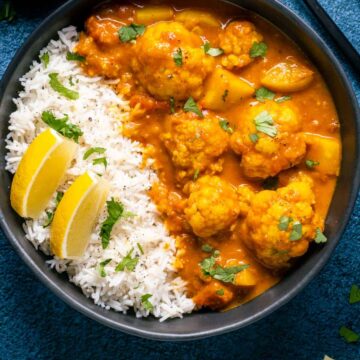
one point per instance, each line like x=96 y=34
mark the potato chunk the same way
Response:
x=151 y=14
x=214 y=296
x=325 y=151
x=287 y=77
x=192 y=18
x=224 y=89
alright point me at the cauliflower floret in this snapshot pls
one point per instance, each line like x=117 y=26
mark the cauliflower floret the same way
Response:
x=194 y=144
x=213 y=205
x=155 y=66
x=280 y=224
x=269 y=139
x=236 y=41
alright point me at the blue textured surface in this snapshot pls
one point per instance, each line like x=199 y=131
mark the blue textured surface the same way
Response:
x=34 y=324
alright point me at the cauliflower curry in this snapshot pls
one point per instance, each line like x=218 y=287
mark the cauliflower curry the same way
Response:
x=241 y=130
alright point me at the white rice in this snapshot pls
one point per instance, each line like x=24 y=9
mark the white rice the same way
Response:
x=99 y=112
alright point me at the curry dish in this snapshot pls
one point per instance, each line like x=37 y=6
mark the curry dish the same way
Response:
x=242 y=130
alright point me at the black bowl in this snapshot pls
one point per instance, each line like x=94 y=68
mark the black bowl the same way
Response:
x=202 y=324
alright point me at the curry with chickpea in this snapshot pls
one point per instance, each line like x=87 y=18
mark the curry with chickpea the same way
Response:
x=243 y=134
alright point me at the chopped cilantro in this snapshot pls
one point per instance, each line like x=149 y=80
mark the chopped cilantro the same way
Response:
x=320 y=237
x=225 y=95
x=196 y=174
x=102 y=267
x=93 y=150
x=140 y=248
x=296 y=233
x=282 y=99
x=172 y=105
x=45 y=59
x=265 y=124
x=349 y=335
x=254 y=138
x=115 y=212
x=207 y=265
x=284 y=222
x=62 y=126
x=191 y=106
x=50 y=217
x=224 y=124
x=354 y=294
x=177 y=57
x=258 y=49
x=59 y=196
x=207 y=248
x=7 y=12
x=74 y=57
x=131 y=32
x=71 y=81
x=100 y=161
x=220 y=292
x=212 y=51
x=311 y=163
x=61 y=89
x=263 y=94
x=146 y=303
x=127 y=262
x=216 y=253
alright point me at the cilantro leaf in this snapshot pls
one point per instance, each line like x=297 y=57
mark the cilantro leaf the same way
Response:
x=62 y=126
x=146 y=303
x=115 y=211
x=74 y=57
x=140 y=248
x=282 y=99
x=100 y=161
x=211 y=51
x=59 y=196
x=264 y=123
x=311 y=163
x=93 y=150
x=207 y=264
x=177 y=57
x=263 y=94
x=50 y=218
x=127 y=262
x=102 y=267
x=196 y=174
x=354 y=294
x=45 y=59
x=7 y=12
x=131 y=32
x=61 y=89
x=349 y=335
x=320 y=237
x=224 y=124
x=296 y=233
x=191 y=106
x=258 y=49
x=284 y=222
x=254 y=138
x=172 y=104
x=207 y=248
x=220 y=292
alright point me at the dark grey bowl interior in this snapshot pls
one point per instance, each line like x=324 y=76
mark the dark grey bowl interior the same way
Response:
x=196 y=325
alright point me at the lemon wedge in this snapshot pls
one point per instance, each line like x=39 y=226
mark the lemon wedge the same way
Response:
x=40 y=172
x=76 y=214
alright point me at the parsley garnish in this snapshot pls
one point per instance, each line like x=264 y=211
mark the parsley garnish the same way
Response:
x=100 y=161
x=131 y=32
x=177 y=57
x=102 y=267
x=296 y=233
x=50 y=214
x=354 y=294
x=225 y=95
x=74 y=57
x=271 y=183
x=265 y=124
x=61 y=89
x=146 y=303
x=62 y=126
x=224 y=124
x=172 y=105
x=254 y=138
x=211 y=51
x=220 y=292
x=284 y=222
x=128 y=262
x=115 y=211
x=320 y=237
x=140 y=248
x=349 y=335
x=207 y=248
x=263 y=94
x=93 y=150
x=191 y=106
x=45 y=59
x=311 y=163
x=258 y=49
x=196 y=174
x=7 y=12
x=282 y=99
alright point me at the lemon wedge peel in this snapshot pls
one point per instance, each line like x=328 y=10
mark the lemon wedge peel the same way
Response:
x=40 y=172
x=76 y=215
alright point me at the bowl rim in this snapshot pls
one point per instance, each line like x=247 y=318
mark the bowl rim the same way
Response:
x=133 y=330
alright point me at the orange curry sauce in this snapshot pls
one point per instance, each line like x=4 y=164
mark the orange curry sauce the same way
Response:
x=108 y=56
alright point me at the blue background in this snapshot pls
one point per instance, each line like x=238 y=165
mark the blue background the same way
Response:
x=34 y=324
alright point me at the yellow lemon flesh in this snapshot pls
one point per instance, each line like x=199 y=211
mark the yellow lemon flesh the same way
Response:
x=76 y=214
x=40 y=172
